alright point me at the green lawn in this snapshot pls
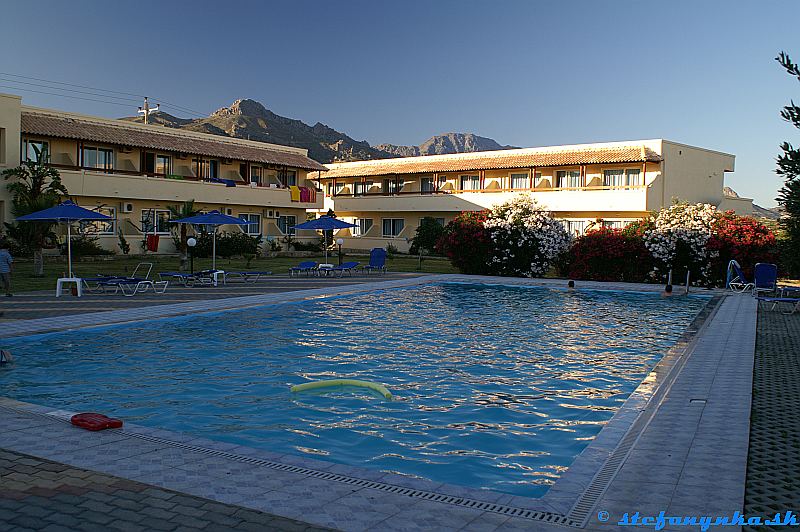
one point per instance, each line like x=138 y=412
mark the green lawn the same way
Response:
x=23 y=280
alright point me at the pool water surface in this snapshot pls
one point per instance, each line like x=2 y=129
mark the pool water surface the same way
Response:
x=494 y=387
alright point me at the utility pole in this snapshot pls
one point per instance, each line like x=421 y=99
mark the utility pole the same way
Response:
x=146 y=110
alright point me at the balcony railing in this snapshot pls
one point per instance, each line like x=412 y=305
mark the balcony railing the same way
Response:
x=175 y=177
x=484 y=191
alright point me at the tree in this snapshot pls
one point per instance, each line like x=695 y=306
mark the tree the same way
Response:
x=176 y=212
x=789 y=168
x=35 y=186
x=428 y=234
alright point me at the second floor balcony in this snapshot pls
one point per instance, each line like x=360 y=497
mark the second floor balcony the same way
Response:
x=136 y=185
x=593 y=198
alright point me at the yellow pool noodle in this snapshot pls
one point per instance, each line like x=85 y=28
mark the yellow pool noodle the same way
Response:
x=381 y=389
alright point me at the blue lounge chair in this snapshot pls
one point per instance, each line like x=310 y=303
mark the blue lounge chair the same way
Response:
x=765 y=278
x=307 y=267
x=246 y=276
x=377 y=261
x=736 y=278
x=102 y=282
x=345 y=267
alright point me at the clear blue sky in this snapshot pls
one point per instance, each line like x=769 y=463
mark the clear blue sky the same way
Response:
x=528 y=73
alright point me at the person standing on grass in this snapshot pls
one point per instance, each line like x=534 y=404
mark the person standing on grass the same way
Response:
x=5 y=266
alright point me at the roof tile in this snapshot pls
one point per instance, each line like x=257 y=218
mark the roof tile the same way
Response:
x=523 y=158
x=47 y=125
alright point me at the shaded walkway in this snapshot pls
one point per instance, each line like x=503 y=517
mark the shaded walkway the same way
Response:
x=773 y=468
x=39 y=494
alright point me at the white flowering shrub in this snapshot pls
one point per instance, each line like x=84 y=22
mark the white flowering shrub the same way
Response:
x=526 y=240
x=679 y=238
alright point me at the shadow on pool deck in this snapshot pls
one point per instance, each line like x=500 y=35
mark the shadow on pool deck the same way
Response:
x=44 y=304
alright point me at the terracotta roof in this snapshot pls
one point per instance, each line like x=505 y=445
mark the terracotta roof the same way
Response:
x=523 y=158
x=137 y=136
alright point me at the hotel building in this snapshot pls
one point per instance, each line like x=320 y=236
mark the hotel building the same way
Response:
x=133 y=172
x=609 y=183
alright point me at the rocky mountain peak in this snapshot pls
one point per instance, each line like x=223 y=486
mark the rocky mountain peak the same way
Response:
x=242 y=107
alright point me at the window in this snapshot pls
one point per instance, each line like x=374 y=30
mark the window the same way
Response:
x=2 y=145
x=32 y=148
x=286 y=224
x=614 y=224
x=621 y=178
x=154 y=220
x=158 y=164
x=99 y=158
x=101 y=227
x=392 y=227
x=361 y=187
x=426 y=185
x=362 y=226
x=520 y=181
x=568 y=178
x=254 y=227
x=256 y=174
x=206 y=168
x=391 y=186
x=440 y=221
x=574 y=227
x=470 y=182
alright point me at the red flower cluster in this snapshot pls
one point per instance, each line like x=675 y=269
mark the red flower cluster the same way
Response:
x=606 y=254
x=466 y=242
x=742 y=238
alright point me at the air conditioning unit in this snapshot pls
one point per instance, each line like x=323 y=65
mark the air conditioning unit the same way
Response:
x=125 y=149
x=183 y=155
x=126 y=207
x=227 y=161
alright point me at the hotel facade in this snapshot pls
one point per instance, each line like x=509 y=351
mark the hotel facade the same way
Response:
x=582 y=185
x=134 y=172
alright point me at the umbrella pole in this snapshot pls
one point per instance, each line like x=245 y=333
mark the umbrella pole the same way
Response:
x=69 y=250
x=214 y=249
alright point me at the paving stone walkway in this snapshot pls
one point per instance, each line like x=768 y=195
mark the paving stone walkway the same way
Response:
x=38 y=494
x=773 y=468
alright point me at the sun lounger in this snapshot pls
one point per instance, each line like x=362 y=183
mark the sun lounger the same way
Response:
x=737 y=281
x=130 y=288
x=793 y=301
x=377 y=261
x=246 y=276
x=347 y=267
x=306 y=267
x=205 y=277
x=765 y=278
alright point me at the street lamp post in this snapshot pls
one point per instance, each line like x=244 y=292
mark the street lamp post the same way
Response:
x=339 y=242
x=191 y=242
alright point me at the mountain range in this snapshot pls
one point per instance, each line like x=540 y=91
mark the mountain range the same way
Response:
x=248 y=119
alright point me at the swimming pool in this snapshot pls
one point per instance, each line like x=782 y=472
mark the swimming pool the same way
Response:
x=495 y=387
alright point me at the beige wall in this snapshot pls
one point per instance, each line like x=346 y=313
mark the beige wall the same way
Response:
x=130 y=222
x=9 y=146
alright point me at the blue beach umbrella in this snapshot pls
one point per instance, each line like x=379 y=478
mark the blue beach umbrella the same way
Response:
x=325 y=223
x=214 y=218
x=65 y=212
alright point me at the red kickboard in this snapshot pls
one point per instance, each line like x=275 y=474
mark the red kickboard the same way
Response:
x=94 y=421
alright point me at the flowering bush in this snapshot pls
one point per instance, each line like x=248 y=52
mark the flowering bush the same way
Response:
x=679 y=238
x=465 y=241
x=525 y=239
x=742 y=238
x=606 y=254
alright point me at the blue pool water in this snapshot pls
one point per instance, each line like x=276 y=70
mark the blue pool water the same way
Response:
x=495 y=387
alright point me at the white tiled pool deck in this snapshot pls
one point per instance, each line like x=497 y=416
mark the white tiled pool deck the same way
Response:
x=679 y=444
